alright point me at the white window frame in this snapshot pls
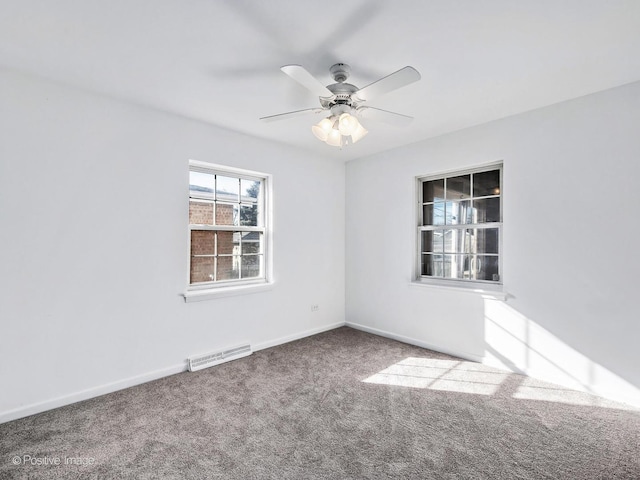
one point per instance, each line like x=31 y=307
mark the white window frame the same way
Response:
x=206 y=290
x=479 y=286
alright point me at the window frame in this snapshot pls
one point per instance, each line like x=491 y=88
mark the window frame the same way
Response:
x=469 y=284
x=199 y=290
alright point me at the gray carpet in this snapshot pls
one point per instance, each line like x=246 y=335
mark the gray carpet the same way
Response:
x=342 y=404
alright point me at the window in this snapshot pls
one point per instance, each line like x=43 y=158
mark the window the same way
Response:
x=227 y=226
x=460 y=227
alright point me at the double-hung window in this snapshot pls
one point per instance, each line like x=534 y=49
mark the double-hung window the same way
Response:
x=227 y=226
x=460 y=227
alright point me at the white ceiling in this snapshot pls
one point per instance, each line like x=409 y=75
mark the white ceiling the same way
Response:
x=218 y=61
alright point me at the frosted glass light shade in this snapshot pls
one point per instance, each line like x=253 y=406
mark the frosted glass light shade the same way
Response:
x=358 y=133
x=319 y=133
x=339 y=131
x=347 y=124
x=334 y=138
x=322 y=129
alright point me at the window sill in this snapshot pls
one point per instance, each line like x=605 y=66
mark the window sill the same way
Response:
x=495 y=293
x=230 y=291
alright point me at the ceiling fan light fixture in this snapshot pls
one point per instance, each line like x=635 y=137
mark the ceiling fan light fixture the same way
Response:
x=339 y=131
x=334 y=138
x=359 y=133
x=319 y=133
x=347 y=124
x=322 y=129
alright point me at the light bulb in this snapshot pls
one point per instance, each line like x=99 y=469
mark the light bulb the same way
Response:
x=334 y=138
x=347 y=124
x=359 y=132
x=322 y=129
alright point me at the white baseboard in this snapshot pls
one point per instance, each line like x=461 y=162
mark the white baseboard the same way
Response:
x=165 y=372
x=296 y=336
x=40 y=407
x=89 y=393
x=417 y=343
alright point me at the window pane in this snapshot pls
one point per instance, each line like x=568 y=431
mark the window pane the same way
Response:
x=251 y=242
x=467 y=274
x=227 y=188
x=456 y=240
x=469 y=241
x=486 y=183
x=251 y=266
x=227 y=214
x=249 y=190
x=487 y=210
x=249 y=215
x=454 y=266
x=458 y=212
x=426 y=241
x=432 y=241
x=485 y=240
x=448 y=240
x=459 y=187
x=432 y=265
x=200 y=213
x=202 y=269
x=433 y=214
x=228 y=268
x=438 y=241
x=228 y=243
x=485 y=267
x=201 y=184
x=202 y=242
x=427 y=215
x=433 y=190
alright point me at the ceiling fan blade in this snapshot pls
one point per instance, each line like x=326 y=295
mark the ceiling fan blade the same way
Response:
x=304 y=78
x=391 y=82
x=295 y=113
x=377 y=114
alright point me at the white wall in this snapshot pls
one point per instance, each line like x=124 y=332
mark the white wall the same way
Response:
x=94 y=245
x=571 y=261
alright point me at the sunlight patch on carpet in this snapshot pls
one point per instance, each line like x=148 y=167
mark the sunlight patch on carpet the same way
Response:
x=445 y=375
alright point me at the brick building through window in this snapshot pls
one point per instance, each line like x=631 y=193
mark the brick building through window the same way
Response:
x=227 y=226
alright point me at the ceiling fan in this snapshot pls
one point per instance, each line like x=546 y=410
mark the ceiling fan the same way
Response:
x=346 y=102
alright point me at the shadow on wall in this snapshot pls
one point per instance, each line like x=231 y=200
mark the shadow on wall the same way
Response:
x=517 y=343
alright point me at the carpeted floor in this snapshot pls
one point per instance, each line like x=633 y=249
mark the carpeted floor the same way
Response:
x=342 y=404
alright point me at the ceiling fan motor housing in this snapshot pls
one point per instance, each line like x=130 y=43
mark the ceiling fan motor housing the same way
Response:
x=340 y=72
x=342 y=100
